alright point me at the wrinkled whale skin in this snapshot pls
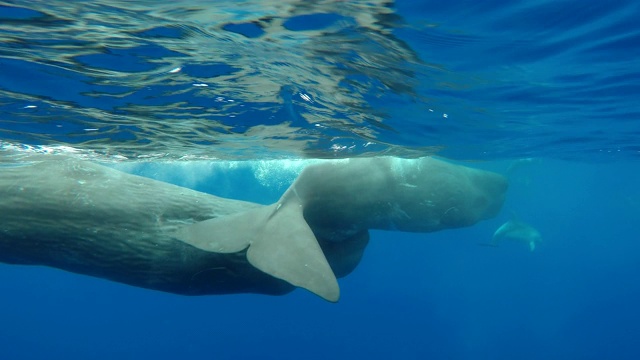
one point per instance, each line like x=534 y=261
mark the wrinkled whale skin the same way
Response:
x=91 y=219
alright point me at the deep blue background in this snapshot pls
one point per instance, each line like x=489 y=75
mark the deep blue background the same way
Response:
x=545 y=79
x=438 y=295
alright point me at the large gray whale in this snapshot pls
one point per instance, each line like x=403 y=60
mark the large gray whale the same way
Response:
x=91 y=219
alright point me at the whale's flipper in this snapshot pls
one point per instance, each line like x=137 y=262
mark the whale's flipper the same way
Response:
x=279 y=241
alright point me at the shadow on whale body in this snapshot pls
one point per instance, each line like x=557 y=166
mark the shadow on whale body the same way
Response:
x=91 y=219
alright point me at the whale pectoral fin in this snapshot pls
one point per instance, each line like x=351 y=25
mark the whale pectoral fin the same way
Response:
x=532 y=245
x=280 y=243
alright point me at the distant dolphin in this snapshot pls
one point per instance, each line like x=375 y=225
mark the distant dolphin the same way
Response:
x=518 y=231
x=95 y=220
x=520 y=163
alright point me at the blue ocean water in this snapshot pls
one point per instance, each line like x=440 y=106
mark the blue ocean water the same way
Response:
x=544 y=92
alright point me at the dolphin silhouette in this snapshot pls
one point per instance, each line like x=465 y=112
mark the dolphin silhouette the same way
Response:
x=90 y=219
x=517 y=230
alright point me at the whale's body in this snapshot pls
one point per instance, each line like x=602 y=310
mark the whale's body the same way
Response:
x=91 y=219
